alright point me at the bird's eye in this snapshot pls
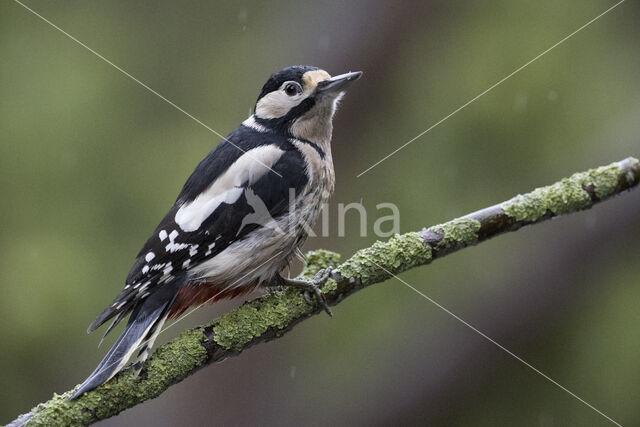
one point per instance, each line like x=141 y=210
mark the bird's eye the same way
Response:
x=292 y=89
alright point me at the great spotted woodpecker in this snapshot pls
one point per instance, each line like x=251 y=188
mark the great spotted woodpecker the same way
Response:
x=240 y=217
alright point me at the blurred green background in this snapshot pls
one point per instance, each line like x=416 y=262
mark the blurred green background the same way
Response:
x=90 y=161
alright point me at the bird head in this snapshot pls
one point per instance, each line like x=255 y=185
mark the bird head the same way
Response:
x=301 y=101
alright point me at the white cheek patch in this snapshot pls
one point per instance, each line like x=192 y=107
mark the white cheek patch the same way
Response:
x=277 y=104
x=229 y=186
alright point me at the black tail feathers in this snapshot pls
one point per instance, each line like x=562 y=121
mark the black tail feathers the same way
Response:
x=142 y=325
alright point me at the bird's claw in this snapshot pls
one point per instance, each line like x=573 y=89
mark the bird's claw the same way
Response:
x=313 y=287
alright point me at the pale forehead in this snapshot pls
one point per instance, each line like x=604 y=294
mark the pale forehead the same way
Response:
x=311 y=78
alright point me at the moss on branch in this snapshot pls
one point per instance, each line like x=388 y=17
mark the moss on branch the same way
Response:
x=272 y=315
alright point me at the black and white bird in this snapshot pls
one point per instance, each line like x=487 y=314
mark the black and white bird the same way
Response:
x=240 y=217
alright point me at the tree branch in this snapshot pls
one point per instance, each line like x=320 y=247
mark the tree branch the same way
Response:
x=271 y=316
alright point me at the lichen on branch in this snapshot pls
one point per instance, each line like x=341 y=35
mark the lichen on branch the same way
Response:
x=274 y=314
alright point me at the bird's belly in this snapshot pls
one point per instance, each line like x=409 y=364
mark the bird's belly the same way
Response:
x=257 y=258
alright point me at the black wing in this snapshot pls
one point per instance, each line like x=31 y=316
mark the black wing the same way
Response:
x=171 y=251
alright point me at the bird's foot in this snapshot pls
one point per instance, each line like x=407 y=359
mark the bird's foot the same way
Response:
x=312 y=287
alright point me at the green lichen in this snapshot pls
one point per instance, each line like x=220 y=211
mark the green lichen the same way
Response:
x=382 y=259
x=459 y=232
x=276 y=310
x=317 y=260
x=177 y=359
x=528 y=208
x=174 y=361
x=605 y=179
x=329 y=286
x=170 y=363
x=568 y=195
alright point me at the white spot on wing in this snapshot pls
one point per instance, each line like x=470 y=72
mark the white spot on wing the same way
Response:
x=145 y=269
x=173 y=246
x=162 y=235
x=149 y=256
x=209 y=249
x=166 y=278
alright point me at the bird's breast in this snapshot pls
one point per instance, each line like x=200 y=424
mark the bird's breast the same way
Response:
x=319 y=165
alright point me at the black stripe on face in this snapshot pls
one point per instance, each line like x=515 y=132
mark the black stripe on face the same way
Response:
x=282 y=124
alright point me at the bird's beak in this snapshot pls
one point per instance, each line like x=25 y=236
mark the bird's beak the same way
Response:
x=338 y=83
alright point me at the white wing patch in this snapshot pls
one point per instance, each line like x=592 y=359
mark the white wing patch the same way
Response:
x=251 y=123
x=228 y=188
